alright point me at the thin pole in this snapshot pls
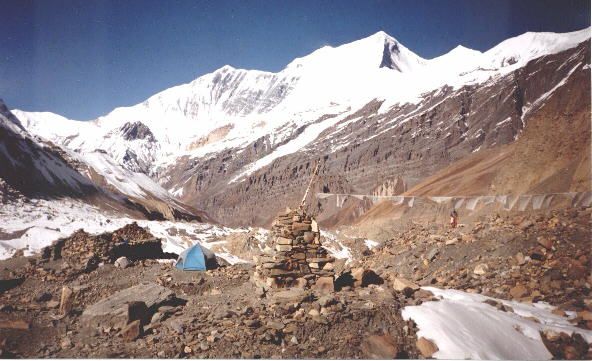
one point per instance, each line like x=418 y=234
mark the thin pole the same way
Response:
x=314 y=174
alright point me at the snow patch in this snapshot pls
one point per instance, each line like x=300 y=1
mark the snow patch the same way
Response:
x=464 y=327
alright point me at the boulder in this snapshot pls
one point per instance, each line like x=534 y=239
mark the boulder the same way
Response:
x=122 y=262
x=426 y=347
x=380 y=347
x=405 y=286
x=113 y=310
x=364 y=277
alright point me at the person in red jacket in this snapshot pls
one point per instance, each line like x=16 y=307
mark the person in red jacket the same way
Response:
x=453 y=218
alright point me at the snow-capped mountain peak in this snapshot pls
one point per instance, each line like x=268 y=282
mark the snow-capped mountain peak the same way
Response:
x=379 y=50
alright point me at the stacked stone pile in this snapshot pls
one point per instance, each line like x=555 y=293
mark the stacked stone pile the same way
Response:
x=83 y=251
x=297 y=258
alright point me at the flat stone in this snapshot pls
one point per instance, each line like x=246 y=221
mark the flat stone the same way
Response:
x=324 y=284
x=545 y=242
x=276 y=325
x=299 y=227
x=314 y=226
x=380 y=347
x=308 y=237
x=53 y=304
x=518 y=291
x=132 y=331
x=113 y=310
x=321 y=259
x=283 y=241
x=18 y=324
x=290 y=296
x=426 y=347
x=283 y=248
x=328 y=266
x=432 y=254
x=326 y=300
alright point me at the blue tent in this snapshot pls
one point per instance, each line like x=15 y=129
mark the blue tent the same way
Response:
x=196 y=258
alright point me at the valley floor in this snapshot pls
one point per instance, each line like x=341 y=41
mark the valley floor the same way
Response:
x=503 y=287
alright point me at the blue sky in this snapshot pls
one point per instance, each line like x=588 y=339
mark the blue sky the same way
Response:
x=81 y=59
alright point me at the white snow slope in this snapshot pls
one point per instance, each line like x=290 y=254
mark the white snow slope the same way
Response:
x=257 y=103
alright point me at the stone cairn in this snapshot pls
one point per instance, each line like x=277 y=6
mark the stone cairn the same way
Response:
x=297 y=258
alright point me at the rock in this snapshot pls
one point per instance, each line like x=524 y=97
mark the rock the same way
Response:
x=176 y=327
x=66 y=301
x=294 y=340
x=157 y=317
x=518 y=291
x=283 y=241
x=481 y=269
x=328 y=266
x=426 y=347
x=283 y=248
x=526 y=225
x=43 y=297
x=187 y=350
x=53 y=304
x=314 y=313
x=113 y=310
x=520 y=258
x=122 y=262
x=451 y=241
x=585 y=315
x=161 y=354
x=290 y=296
x=276 y=325
x=326 y=300
x=300 y=283
x=308 y=237
x=17 y=325
x=314 y=226
x=66 y=343
x=405 y=286
x=299 y=227
x=380 y=347
x=252 y=323
x=432 y=254
x=137 y=310
x=545 y=242
x=324 y=284
x=364 y=277
x=132 y=331
x=576 y=272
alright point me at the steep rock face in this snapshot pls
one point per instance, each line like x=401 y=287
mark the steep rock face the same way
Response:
x=39 y=169
x=410 y=141
x=136 y=130
x=35 y=169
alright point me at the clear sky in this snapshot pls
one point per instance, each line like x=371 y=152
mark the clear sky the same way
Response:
x=81 y=59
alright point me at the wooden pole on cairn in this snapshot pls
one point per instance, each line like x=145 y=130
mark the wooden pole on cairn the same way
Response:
x=315 y=172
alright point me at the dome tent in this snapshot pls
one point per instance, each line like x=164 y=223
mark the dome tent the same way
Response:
x=196 y=258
